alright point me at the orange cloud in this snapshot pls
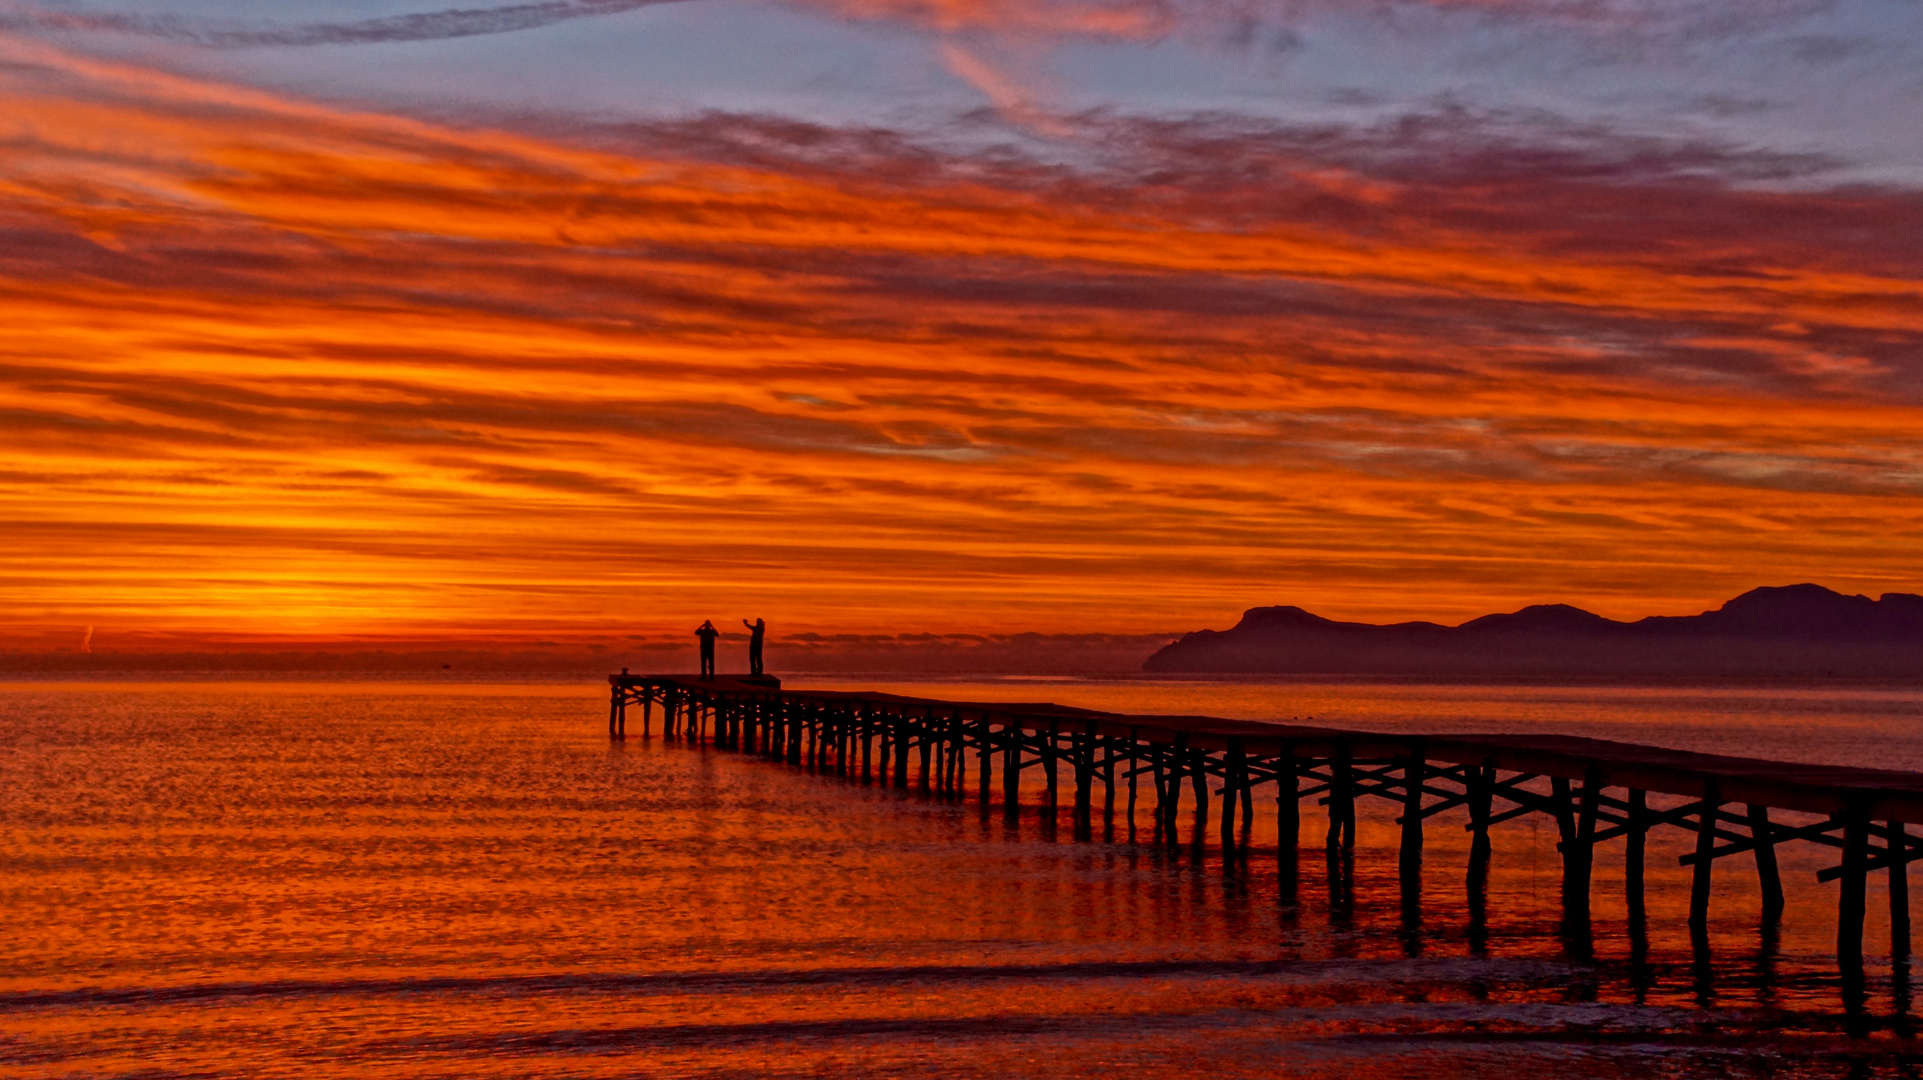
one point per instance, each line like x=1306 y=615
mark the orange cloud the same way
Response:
x=278 y=368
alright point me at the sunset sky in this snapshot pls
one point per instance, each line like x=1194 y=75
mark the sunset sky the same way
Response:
x=601 y=317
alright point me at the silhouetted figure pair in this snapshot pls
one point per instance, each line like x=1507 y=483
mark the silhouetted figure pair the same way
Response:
x=707 y=633
x=757 y=634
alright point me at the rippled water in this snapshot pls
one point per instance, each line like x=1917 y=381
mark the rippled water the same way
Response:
x=469 y=880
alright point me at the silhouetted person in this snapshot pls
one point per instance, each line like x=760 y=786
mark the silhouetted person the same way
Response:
x=707 y=633
x=757 y=633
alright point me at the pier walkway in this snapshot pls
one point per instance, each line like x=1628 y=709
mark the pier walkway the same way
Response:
x=1594 y=790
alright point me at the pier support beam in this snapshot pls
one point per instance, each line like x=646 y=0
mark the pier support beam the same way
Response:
x=1850 y=899
x=1896 y=836
x=984 y=759
x=1199 y=778
x=1583 y=858
x=1050 y=790
x=1288 y=822
x=1233 y=765
x=1108 y=751
x=1134 y=774
x=1341 y=802
x=1482 y=797
x=1083 y=748
x=1011 y=769
x=1247 y=788
x=1705 y=853
x=1565 y=810
x=926 y=745
x=1633 y=844
x=1481 y=785
x=1769 y=880
x=1414 y=773
x=1168 y=785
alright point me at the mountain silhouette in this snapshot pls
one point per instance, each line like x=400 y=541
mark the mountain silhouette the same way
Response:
x=1787 y=631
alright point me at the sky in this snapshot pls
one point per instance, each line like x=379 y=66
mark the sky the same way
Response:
x=595 y=318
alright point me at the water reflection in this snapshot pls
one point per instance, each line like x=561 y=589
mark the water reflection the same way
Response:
x=251 y=881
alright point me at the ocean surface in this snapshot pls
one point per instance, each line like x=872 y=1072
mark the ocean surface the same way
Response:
x=468 y=880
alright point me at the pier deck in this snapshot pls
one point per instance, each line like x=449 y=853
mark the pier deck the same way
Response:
x=1597 y=790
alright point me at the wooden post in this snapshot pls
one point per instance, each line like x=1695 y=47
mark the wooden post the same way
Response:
x=1288 y=821
x=1012 y=767
x=944 y=755
x=1134 y=756
x=1161 y=793
x=961 y=757
x=1084 y=750
x=1231 y=792
x=1565 y=810
x=1633 y=852
x=1849 y=901
x=614 y=706
x=1583 y=858
x=1480 y=784
x=1168 y=785
x=1049 y=791
x=1482 y=795
x=1414 y=770
x=1248 y=803
x=1897 y=837
x=1108 y=788
x=955 y=771
x=647 y=716
x=1341 y=802
x=1199 y=778
x=1768 y=878
x=900 y=720
x=984 y=758
x=923 y=779
x=1705 y=850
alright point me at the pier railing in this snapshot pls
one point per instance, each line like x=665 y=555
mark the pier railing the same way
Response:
x=1597 y=790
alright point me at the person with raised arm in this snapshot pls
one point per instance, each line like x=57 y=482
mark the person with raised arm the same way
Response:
x=757 y=634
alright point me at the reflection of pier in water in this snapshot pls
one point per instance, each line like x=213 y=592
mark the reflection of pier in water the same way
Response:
x=927 y=745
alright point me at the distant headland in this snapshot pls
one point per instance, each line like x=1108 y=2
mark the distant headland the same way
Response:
x=1788 y=631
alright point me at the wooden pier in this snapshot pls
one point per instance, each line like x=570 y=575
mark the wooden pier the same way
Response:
x=1596 y=790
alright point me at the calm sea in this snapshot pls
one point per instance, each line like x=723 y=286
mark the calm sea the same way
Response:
x=468 y=880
